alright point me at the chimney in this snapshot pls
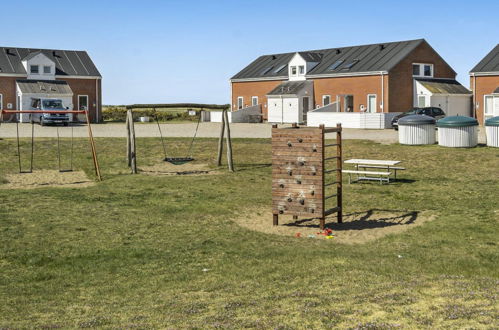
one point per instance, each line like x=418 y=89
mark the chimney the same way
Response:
x=381 y=47
x=338 y=51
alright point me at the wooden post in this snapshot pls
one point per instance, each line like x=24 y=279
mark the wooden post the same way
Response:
x=339 y=174
x=221 y=141
x=275 y=219
x=323 y=216
x=229 y=143
x=92 y=147
x=133 y=155
x=128 y=142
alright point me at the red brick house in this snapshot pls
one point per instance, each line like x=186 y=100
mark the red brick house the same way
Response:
x=484 y=82
x=378 y=78
x=66 y=74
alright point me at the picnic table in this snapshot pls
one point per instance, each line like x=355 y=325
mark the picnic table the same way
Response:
x=385 y=166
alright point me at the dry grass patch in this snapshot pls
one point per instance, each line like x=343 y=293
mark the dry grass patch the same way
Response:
x=357 y=227
x=46 y=178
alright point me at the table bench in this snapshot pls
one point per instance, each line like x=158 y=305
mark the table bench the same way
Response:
x=368 y=175
x=395 y=169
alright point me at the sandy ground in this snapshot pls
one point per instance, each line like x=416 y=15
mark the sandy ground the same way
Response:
x=46 y=178
x=165 y=168
x=357 y=228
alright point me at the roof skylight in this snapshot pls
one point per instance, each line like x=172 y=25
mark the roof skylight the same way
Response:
x=350 y=65
x=280 y=68
x=335 y=65
x=267 y=70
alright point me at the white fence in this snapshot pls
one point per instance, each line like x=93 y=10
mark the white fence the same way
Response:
x=239 y=116
x=350 y=119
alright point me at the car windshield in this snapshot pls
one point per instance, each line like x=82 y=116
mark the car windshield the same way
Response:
x=52 y=105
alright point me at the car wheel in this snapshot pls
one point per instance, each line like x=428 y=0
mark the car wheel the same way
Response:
x=41 y=122
x=66 y=124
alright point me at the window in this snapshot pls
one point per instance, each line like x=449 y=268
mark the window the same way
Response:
x=428 y=70
x=416 y=70
x=82 y=102
x=422 y=70
x=33 y=69
x=240 y=102
x=254 y=100
x=350 y=65
x=326 y=99
x=47 y=69
x=293 y=70
x=267 y=70
x=1 y=102
x=489 y=105
x=301 y=69
x=335 y=65
x=279 y=68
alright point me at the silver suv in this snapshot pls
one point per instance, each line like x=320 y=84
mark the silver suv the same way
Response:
x=49 y=118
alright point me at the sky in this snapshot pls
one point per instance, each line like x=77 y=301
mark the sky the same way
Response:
x=152 y=51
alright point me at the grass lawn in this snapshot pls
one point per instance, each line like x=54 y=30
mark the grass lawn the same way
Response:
x=162 y=251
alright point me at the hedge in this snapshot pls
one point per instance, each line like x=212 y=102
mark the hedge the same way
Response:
x=119 y=114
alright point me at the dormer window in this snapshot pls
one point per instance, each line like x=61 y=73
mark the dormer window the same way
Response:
x=34 y=69
x=422 y=70
x=47 y=69
x=293 y=70
x=301 y=69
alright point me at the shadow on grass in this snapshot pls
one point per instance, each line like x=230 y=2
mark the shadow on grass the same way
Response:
x=363 y=220
x=248 y=167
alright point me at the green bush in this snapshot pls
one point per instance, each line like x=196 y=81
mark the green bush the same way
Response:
x=117 y=114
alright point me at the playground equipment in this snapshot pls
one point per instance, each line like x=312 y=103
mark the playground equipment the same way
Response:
x=131 y=145
x=90 y=137
x=299 y=172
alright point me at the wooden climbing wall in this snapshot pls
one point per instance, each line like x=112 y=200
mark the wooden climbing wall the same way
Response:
x=298 y=171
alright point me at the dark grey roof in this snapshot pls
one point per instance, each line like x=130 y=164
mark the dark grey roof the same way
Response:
x=288 y=88
x=496 y=91
x=443 y=86
x=44 y=86
x=366 y=58
x=490 y=63
x=311 y=57
x=67 y=62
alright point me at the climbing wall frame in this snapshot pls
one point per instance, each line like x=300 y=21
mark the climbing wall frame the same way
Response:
x=304 y=175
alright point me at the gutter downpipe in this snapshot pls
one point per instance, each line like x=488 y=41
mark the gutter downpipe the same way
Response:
x=282 y=110
x=96 y=100
x=474 y=94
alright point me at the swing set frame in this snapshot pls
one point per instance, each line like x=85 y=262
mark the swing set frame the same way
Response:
x=90 y=138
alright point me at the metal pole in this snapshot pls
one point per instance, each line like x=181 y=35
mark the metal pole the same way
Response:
x=339 y=174
x=32 y=146
x=18 y=147
x=71 y=157
x=58 y=150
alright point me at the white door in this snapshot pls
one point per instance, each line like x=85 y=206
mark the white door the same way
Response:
x=496 y=106
x=421 y=101
x=488 y=107
x=371 y=103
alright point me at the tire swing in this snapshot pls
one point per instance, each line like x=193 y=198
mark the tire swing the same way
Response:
x=178 y=160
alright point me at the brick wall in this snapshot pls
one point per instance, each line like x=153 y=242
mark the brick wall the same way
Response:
x=401 y=83
x=484 y=85
x=359 y=87
x=8 y=91
x=253 y=88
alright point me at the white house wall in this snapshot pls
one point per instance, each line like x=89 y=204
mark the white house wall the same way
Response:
x=297 y=60
x=41 y=60
x=351 y=119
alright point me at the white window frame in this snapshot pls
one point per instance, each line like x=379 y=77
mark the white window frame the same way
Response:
x=368 y=108
x=47 y=66
x=253 y=98
x=86 y=96
x=242 y=102
x=1 y=101
x=301 y=70
x=291 y=70
x=421 y=70
x=323 y=97
x=31 y=66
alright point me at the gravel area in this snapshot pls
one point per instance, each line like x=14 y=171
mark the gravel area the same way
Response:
x=238 y=130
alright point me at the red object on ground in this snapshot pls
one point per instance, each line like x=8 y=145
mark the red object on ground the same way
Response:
x=298 y=235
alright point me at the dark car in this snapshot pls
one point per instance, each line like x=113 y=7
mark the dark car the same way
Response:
x=434 y=112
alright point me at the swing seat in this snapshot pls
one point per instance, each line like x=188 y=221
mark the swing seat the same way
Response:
x=178 y=160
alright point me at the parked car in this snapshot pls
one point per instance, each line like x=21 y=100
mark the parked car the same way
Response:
x=49 y=118
x=434 y=112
